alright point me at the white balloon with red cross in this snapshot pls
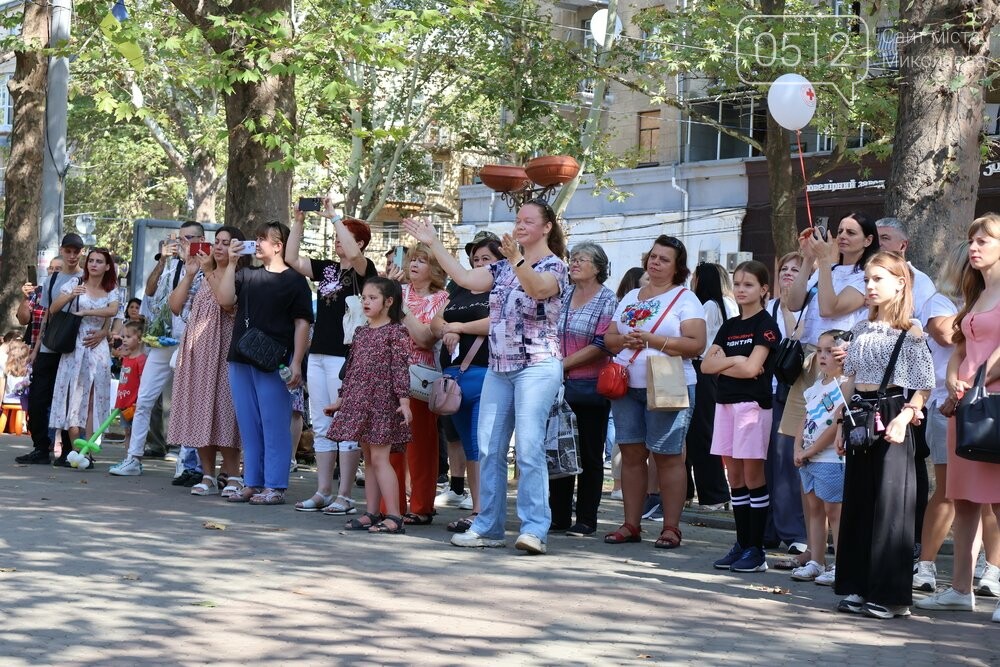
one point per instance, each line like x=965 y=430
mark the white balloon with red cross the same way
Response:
x=791 y=101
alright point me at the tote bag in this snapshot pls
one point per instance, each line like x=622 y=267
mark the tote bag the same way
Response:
x=666 y=388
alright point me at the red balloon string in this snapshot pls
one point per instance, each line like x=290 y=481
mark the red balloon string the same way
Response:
x=805 y=180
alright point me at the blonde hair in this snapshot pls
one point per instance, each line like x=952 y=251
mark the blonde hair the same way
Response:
x=898 y=312
x=423 y=251
x=951 y=272
x=17 y=358
x=973 y=282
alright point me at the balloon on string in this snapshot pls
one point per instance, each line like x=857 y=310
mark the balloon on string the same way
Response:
x=791 y=101
x=599 y=27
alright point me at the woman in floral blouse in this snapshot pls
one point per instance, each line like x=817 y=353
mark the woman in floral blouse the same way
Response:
x=525 y=369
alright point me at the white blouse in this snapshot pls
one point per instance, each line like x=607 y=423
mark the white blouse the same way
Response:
x=870 y=351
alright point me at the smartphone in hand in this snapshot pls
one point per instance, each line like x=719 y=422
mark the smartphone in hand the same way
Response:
x=32 y=274
x=398 y=256
x=310 y=204
x=249 y=248
x=200 y=248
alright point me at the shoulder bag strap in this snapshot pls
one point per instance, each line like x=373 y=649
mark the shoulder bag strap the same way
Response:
x=805 y=304
x=653 y=330
x=774 y=309
x=892 y=364
x=470 y=355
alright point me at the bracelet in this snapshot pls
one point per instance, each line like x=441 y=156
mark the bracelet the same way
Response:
x=665 y=339
x=519 y=262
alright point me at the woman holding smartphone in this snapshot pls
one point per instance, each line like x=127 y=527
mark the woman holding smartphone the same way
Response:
x=277 y=302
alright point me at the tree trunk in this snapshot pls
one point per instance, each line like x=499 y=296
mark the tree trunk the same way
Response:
x=784 y=183
x=255 y=192
x=204 y=183
x=23 y=180
x=934 y=180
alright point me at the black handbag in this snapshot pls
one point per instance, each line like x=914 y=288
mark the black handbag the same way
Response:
x=862 y=419
x=62 y=327
x=977 y=423
x=261 y=350
x=790 y=357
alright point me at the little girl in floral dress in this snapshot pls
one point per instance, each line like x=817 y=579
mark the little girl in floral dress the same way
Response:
x=374 y=403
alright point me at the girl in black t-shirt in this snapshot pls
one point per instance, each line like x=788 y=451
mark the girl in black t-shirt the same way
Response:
x=742 y=357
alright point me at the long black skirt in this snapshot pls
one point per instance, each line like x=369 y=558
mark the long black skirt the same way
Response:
x=875 y=549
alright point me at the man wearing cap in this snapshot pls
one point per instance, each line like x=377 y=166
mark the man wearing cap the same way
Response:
x=45 y=362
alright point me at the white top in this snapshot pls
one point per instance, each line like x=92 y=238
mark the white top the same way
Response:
x=714 y=319
x=938 y=305
x=823 y=402
x=634 y=314
x=923 y=289
x=871 y=349
x=845 y=276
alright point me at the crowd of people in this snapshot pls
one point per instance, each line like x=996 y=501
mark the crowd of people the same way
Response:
x=830 y=460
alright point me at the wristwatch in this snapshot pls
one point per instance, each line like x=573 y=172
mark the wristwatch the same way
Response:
x=519 y=263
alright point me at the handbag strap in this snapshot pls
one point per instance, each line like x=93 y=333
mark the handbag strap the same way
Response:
x=471 y=353
x=52 y=284
x=653 y=330
x=805 y=304
x=891 y=365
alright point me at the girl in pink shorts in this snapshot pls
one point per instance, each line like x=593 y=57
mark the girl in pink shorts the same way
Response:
x=743 y=358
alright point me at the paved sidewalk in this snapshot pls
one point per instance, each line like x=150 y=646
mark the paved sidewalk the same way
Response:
x=96 y=570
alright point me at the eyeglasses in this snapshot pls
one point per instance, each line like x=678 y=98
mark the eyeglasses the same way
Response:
x=669 y=241
x=580 y=260
x=190 y=237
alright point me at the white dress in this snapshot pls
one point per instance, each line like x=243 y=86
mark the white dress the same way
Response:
x=83 y=371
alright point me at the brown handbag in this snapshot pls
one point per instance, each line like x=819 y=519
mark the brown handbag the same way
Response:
x=446 y=394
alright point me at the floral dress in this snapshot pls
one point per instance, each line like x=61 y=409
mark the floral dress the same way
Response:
x=377 y=378
x=84 y=370
x=202 y=412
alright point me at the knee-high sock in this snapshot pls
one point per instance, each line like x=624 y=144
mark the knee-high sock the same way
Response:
x=741 y=513
x=760 y=501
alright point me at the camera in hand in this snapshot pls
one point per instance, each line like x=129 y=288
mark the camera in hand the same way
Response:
x=310 y=204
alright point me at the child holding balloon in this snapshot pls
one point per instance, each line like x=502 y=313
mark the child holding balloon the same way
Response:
x=133 y=356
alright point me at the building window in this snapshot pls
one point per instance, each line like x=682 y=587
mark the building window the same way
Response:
x=468 y=176
x=6 y=104
x=649 y=49
x=437 y=176
x=649 y=137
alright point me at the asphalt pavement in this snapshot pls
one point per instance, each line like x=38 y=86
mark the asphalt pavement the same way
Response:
x=98 y=570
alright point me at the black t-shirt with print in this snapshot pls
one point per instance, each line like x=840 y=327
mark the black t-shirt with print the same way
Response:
x=328 y=334
x=738 y=337
x=270 y=302
x=464 y=306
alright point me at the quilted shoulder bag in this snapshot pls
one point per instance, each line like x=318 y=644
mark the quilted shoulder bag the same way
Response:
x=612 y=382
x=62 y=327
x=261 y=350
x=790 y=356
x=977 y=422
x=446 y=394
x=863 y=423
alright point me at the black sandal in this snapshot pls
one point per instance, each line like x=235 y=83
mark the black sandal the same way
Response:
x=462 y=525
x=411 y=519
x=382 y=527
x=356 y=524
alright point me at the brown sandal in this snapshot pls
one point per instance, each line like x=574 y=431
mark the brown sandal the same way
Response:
x=627 y=533
x=670 y=538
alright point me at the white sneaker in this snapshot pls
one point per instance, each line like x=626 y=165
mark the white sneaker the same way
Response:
x=989 y=583
x=980 y=566
x=530 y=543
x=925 y=576
x=472 y=539
x=616 y=494
x=828 y=577
x=808 y=572
x=996 y=614
x=129 y=467
x=449 y=498
x=949 y=599
x=466 y=503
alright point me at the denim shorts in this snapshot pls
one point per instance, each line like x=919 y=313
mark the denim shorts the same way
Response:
x=825 y=479
x=662 y=431
x=937 y=434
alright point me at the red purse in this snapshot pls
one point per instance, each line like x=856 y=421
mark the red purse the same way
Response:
x=612 y=382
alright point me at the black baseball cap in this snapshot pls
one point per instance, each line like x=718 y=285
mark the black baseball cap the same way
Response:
x=72 y=241
x=479 y=238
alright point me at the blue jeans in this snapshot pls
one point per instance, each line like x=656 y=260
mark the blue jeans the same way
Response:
x=264 y=415
x=467 y=417
x=516 y=402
